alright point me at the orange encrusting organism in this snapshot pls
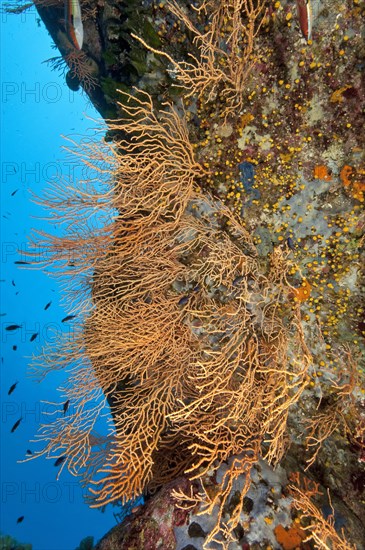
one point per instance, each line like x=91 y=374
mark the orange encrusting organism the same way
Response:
x=358 y=190
x=345 y=175
x=302 y=293
x=321 y=173
x=337 y=96
x=290 y=538
x=352 y=179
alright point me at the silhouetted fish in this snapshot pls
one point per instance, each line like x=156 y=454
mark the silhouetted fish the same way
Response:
x=68 y=318
x=29 y=452
x=13 y=327
x=20 y=519
x=16 y=425
x=21 y=262
x=15 y=348
x=34 y=336
x=13 y=193
x=13 y=282
x=12 y=388
x=60 y=460
x=65 y=406
x=47 y=305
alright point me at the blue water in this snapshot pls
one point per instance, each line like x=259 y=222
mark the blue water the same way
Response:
x=36 y=108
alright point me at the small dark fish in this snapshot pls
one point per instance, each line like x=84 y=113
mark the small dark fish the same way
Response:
x=29 y=452
x=21 y=262
x=65 y=406
x=13 y=282
x=237 y=280
x=47 y=305
x=16 y=425
x=12 y=388
x=13 y=327
x=15 y=348
x=183 y=301
x=2 y=314
x=20 y=519
x=33 y=337
x=60 y=460
x=13 y=193
x=68 y=318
